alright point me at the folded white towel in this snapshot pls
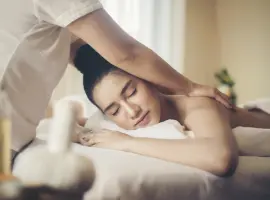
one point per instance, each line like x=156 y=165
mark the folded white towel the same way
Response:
x=169 y=129
x=263 y=104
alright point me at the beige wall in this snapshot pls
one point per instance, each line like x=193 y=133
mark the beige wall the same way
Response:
x=231 y=33
x=202 y=56
x=244 y=28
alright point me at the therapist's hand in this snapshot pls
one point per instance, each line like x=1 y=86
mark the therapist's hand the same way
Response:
x=197 y=90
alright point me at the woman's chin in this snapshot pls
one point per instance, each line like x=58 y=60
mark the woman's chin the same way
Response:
x=153 y=121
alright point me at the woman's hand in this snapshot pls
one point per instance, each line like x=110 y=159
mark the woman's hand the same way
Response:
x=106 y=139
x=197 y=90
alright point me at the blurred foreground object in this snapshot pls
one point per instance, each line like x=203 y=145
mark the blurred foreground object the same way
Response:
x=9 y=186
x=54 y=171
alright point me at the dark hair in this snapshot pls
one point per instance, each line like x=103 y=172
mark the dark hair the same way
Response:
x=93 y=67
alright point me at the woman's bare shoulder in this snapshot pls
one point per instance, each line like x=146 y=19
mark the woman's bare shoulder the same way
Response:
x=187 y=106
x=189 y=103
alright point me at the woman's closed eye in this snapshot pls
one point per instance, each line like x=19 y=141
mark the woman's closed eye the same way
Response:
x=131 y=92
x=115 y=112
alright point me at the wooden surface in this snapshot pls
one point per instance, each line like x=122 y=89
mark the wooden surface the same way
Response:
x=5 y=157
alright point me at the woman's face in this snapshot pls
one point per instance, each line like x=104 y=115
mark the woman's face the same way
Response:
x=128 y=101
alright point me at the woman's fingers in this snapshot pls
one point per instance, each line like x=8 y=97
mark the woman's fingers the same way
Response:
x=87 y=139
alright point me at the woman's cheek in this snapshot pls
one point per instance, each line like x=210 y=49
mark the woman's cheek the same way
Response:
x=123 y=120
x=145 y=97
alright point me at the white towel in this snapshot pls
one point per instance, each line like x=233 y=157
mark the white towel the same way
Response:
x=169 y=129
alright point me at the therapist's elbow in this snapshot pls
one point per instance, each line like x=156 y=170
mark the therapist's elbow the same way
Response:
x=133 y=55
x=226 y=162
x=127 y=59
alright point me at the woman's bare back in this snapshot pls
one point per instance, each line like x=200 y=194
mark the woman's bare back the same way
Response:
x=255 y=118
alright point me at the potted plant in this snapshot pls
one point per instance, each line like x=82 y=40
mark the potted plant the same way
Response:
x=226 y=84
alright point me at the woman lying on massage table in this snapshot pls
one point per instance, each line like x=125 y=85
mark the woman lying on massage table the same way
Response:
x=132 y=103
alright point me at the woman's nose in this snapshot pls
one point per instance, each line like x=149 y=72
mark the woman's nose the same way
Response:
x=133 y=110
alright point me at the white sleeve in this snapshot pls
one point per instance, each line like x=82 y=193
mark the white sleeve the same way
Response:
x=64 y=12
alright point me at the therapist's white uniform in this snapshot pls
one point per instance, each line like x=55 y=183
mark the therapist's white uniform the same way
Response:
x=34 y=53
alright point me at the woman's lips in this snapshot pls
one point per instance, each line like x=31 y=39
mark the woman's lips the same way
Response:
x=144 y=120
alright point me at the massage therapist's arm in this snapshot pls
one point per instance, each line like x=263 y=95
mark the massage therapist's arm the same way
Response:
x=214 y=148
x=100 y=31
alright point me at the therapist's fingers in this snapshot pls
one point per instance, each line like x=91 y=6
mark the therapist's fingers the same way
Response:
x=198 y=90
x=223 y=98
x=223 y=101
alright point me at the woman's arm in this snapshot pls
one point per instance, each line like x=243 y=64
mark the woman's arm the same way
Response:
x=214 y=148
x=256 y=119
x=100 y=31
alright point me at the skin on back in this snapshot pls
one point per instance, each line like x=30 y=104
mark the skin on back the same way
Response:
x=238 y=117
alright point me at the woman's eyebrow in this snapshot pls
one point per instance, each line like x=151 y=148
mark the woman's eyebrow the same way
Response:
x=126 y=87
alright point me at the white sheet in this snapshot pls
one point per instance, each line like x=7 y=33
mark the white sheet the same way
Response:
x=128 y=176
